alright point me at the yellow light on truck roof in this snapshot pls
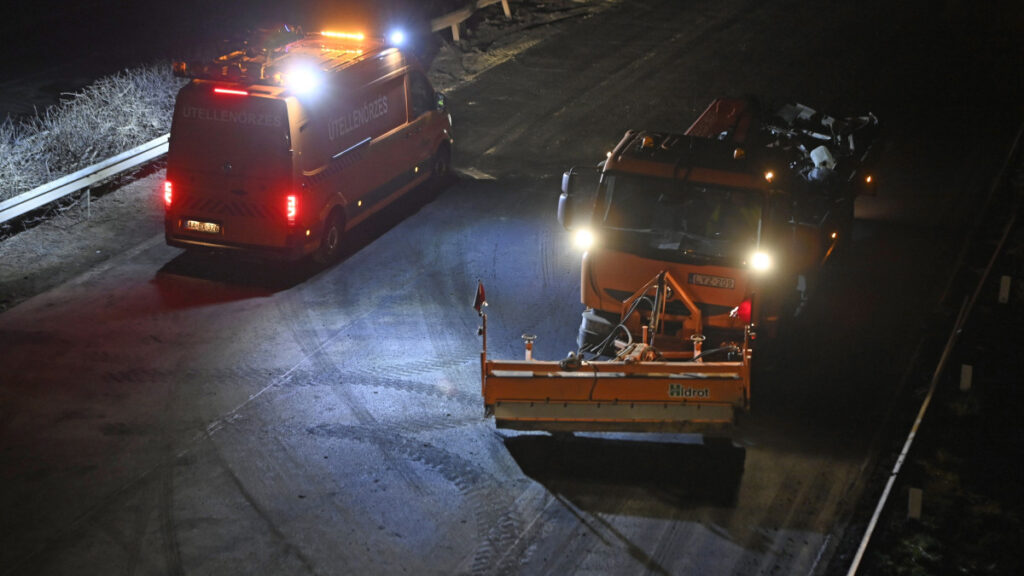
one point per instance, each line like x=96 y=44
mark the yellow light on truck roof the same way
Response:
x=356 y=51
x=346 y=35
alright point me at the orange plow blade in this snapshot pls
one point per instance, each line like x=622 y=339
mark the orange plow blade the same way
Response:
x=615 y=395
x=639 y=390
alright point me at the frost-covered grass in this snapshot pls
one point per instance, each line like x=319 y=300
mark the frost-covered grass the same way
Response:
x=114 y=114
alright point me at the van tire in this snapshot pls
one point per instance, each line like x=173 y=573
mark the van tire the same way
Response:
x=441 y=166
x=330 y=242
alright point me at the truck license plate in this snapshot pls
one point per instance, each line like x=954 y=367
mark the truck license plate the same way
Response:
x=712 y=281
x=204 y=227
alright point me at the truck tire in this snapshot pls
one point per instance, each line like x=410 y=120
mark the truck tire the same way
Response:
x=330 y=242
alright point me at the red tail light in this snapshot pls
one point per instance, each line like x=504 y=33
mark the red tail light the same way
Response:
x=168 y=193
x=230 y=91
x=291 y=208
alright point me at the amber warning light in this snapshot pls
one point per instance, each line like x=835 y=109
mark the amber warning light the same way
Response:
x=344 y=35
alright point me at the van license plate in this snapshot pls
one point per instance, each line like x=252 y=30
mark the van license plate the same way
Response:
x=204 y=227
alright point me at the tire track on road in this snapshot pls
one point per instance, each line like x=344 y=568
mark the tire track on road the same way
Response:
x=497 y=523
x=298 y=319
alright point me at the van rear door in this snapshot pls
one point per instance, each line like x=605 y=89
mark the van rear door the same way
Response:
x=230 y=163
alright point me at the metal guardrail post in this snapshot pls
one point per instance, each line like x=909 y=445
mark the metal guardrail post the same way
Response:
x=505 y=7
x=453 y=19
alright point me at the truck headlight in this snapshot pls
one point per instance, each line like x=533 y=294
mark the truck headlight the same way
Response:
x=583 y=238
x=760 y=261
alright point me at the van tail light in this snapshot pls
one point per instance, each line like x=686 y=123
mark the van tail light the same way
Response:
x=168 y=193
x=291 y=209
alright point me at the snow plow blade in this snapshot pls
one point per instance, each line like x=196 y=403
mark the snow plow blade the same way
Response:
x=616 y=395
x=641 y=389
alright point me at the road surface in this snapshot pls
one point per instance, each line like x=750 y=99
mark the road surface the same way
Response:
x=173 y=413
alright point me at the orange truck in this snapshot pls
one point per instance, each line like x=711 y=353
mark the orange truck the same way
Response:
x=694 y=243
x=282 y=146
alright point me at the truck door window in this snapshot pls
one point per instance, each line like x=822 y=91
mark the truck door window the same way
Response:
x=421 y=95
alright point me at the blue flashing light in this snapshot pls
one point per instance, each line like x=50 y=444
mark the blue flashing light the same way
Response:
x=396 y=37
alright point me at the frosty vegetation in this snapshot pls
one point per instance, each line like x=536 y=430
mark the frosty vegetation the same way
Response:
x=114 y=114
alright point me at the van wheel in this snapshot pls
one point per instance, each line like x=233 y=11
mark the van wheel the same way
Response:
x=442 y=164
x=330 y=243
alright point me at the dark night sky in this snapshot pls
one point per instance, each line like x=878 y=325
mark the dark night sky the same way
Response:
x=108 y=35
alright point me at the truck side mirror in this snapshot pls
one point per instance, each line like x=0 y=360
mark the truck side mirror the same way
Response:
x=579 y=185
x=565 y=209
x=568 y=181
x=565 y=203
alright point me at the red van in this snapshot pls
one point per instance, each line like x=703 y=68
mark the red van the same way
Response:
x=282 y=148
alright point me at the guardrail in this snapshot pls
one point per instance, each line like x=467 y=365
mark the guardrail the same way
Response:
x=92 y=175
x=453 y=19
x=84 y=178
x=958 y=325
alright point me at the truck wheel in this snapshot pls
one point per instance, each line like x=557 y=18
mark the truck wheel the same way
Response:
x=330 y=243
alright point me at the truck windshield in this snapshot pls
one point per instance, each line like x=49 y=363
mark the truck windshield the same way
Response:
x=679 y=220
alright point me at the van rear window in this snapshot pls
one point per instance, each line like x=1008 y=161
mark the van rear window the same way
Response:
x=249 y=132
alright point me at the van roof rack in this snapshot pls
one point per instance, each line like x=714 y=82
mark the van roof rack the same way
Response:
x=262 y=58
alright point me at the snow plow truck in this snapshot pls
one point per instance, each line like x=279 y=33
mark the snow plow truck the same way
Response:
x=694 y=245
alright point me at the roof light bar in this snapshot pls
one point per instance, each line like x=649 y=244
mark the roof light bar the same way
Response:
x=346 y=35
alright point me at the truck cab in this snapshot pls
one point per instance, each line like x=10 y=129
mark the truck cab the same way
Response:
x=735 y=209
